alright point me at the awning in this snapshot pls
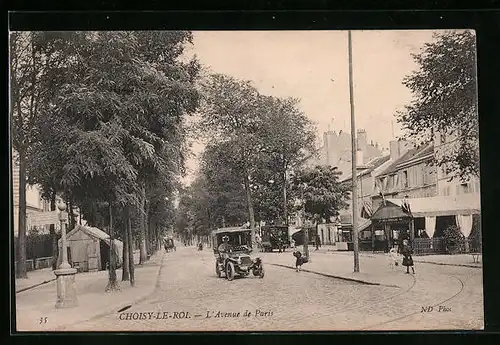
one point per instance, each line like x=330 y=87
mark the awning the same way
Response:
x=464 y=204
x=362 y=224
x=390 y=210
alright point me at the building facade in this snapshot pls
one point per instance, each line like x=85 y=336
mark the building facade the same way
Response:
x=34 y=201
x=366 y=189
x=418 y=200
x=446 y=185
x=336 y=151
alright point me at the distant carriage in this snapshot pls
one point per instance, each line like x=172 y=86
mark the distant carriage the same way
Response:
x=169 y=245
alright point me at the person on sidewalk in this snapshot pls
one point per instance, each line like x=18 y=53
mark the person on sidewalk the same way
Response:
x=280 y=245
x=407 y=252
x=299 y=260
x=317 y=241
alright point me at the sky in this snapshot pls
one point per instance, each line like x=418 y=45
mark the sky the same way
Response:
x=313 y=66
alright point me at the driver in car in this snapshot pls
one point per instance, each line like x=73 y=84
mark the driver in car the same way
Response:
x=225 y=247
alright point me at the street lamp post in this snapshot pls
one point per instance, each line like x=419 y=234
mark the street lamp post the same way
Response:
x=65 y=274
x=354 y=173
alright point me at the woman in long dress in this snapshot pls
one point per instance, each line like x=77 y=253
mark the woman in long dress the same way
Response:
x=407 y=252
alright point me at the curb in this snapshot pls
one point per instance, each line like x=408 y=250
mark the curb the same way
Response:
x=443 y=264
x=34 y=286
x=337 y=277
x=114 y=308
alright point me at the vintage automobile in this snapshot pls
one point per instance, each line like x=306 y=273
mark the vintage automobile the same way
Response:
x=236 y=259
x=169 y=245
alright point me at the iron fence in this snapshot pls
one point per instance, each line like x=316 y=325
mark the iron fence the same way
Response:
x=424 y=246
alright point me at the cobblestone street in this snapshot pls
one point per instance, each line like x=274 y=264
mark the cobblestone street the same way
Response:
x=190 y=295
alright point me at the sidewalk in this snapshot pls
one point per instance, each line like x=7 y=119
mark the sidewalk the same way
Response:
x=35 y=309
x=35 y=278
x=465 y=260
x=375 y=269
x=46 y=275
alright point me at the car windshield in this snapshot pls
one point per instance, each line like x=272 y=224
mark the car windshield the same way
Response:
x=236 y=238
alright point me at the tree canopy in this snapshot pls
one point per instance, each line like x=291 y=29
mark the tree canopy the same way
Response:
x=444 y=88
x=322 y=194
x=111 y=127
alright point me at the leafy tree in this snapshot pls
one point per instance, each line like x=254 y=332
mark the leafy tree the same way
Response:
x=34 y=65
x=445 y=100
x=453 y=239
x=120 y=122
x=322 y=193
x=231 y=115
x=287 y=134
x=227 y=203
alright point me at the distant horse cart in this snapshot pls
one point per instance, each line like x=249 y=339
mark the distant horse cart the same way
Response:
x=169 y=245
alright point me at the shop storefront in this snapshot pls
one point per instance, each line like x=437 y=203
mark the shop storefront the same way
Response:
x=423 y=220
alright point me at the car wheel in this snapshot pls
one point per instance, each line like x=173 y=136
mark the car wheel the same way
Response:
x=217 y=270
x=230 y=271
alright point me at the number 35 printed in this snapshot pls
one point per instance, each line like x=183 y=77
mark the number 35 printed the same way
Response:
x=43 y=320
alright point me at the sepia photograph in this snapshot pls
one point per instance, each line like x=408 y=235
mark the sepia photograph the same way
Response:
x=201 y=181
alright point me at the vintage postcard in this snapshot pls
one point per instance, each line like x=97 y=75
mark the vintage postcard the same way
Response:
x=245 y=180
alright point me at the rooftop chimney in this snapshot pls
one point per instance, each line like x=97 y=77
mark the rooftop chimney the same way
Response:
x=359 y=157
x=362 y=141
x=394 y=149
x=398 y=148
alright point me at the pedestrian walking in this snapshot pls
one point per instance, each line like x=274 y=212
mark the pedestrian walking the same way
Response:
x=407 y=252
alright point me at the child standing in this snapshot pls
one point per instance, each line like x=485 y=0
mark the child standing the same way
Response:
x=407 y=252
x=299 y=260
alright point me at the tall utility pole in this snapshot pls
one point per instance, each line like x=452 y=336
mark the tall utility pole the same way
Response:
x=354 y=175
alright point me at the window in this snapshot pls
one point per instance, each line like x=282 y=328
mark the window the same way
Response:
x=465 y=188
x=446 y=191
x=462 y=188
x=405 y=179
x=390 y=182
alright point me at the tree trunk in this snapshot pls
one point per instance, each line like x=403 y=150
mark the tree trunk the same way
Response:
x=251 y=214
x=147 y=226
x=285 y=205
x=155 y=243
x=21 y=249
x=112 y=284
x=126 y=243
x=52 y=230
x=143 y=256
x=131 y=249
x=72 y=222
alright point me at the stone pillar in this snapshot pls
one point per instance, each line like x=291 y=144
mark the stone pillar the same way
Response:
x=412 y=230
x=66 y=286
x=388 y=234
